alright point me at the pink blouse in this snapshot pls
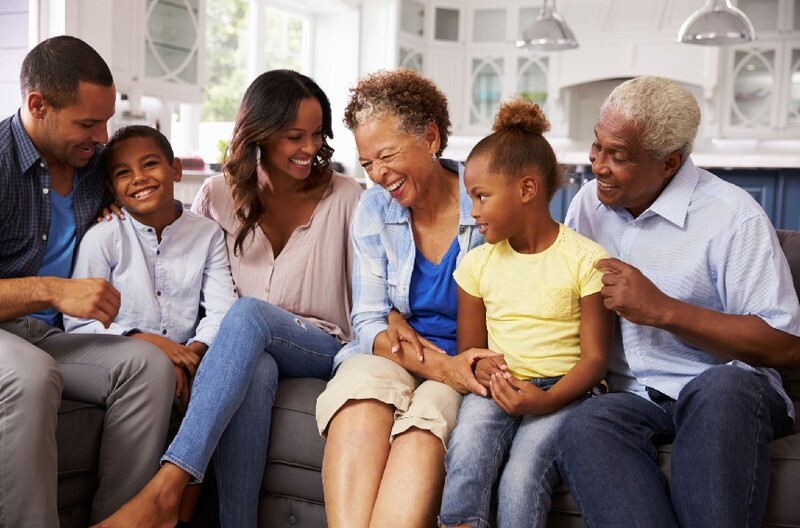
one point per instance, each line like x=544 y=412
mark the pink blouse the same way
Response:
x=312 y=275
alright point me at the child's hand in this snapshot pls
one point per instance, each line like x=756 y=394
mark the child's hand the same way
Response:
x=180 y=355
x=458 y=372
x=181 y=386
x=518 y=398
x=400 y=330
x=485 y=367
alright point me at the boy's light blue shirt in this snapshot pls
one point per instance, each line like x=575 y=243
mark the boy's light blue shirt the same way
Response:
x=162 y=285
x=703 y=241
x=384 y=251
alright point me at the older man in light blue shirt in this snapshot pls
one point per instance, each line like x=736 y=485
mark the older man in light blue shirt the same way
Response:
x=705 y=303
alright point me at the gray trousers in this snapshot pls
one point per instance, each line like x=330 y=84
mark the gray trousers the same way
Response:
x=133 y=380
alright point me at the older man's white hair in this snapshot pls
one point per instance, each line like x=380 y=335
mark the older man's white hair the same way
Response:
x=668 y=113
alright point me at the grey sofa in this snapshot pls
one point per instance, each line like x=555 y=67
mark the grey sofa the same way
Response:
x=291 y=493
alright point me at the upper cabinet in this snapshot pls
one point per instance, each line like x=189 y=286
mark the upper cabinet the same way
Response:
x=173 y=48
x=468 y=48
x=763 y=92
x=154 y=47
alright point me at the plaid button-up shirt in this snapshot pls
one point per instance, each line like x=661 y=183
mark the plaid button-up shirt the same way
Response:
x=25 y=210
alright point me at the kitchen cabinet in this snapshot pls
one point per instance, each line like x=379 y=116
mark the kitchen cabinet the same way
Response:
x=154 y=48
x=763 y=92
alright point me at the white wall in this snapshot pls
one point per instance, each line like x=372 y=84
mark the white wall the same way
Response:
x=14 y=36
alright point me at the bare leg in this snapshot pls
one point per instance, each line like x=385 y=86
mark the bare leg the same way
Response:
x=412 y=483
x=156 y=506
x=355 y=457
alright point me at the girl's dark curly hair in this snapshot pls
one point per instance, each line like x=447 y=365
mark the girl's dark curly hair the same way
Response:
x=412 y=99
x=270 y=105
x=516 y=144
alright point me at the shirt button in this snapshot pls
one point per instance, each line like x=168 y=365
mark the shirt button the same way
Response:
x=149 y=229
x=44 y=237
x=41 y=164
x=164 y=332
x=158 y=293
x=158 y=252
x=46 y=191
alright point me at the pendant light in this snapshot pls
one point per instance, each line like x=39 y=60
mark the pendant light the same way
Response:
x=549 y=32
x=717 y=24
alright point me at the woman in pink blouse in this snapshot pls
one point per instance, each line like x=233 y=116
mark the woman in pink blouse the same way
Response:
x=286 y=217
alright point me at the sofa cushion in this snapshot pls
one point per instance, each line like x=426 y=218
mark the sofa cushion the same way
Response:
x=790 y=242
x=291 y=492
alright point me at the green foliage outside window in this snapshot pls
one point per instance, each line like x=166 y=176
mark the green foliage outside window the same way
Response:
x=226 y=55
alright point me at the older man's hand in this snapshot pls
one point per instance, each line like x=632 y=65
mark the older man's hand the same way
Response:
x=632 y=295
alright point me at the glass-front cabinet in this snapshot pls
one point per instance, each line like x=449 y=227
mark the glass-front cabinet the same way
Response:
x=764 y=90
x=487 y=79
x=172 y=42
x=468 y=50
x=532 y=78
x=754 y=87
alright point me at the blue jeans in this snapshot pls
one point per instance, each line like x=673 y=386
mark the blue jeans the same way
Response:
x=484 y=438
x=720 y=428
x=230 y=409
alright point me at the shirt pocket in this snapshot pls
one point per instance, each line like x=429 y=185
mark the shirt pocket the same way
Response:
x=557 y=303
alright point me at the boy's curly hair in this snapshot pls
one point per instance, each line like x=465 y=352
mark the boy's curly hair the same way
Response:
x=414 y=100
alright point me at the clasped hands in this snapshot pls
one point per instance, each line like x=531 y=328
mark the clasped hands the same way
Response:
x=515 y=397
x=457 y=371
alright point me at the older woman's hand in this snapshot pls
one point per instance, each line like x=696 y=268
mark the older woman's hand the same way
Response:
x=459 y=371
x=400 y=330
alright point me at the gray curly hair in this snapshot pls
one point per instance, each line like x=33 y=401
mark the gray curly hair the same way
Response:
x=668 y=112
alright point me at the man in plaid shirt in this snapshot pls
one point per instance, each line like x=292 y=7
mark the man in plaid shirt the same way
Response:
x=50 y=193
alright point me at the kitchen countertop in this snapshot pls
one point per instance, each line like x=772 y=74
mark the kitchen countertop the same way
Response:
x=714 y=153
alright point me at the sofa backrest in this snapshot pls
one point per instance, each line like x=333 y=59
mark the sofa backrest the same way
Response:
x=790 y=242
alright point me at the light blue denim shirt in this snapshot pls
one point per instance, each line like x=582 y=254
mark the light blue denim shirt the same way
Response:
x=384 y=252
x=162 y=285
x=703 y=241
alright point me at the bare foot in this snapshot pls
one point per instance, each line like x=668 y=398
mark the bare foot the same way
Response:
x=156 y=506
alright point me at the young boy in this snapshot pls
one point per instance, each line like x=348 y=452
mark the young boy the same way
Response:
x=165 y=261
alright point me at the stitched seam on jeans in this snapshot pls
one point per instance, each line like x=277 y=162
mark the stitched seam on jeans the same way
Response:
x=750 y=500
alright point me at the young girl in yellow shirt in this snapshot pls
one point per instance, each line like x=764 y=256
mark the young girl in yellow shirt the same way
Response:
x=531 y=293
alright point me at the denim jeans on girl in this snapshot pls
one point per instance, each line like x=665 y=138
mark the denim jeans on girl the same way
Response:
x=720 y=428
x=231 y=405
x=486 y=437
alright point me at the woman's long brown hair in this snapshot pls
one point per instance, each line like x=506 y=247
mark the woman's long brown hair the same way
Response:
x=270 y=105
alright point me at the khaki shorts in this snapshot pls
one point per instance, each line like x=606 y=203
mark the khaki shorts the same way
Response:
x=424 y=404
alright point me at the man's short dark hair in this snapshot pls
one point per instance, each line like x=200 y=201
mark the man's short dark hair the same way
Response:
x=137 y=131
x=55 y=66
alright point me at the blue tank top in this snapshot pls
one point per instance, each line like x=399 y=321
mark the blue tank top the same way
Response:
x=433 y=300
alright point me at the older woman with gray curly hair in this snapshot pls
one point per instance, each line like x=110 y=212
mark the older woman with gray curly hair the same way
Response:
x=392 y=404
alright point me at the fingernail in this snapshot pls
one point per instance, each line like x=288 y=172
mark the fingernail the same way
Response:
x=394 y=349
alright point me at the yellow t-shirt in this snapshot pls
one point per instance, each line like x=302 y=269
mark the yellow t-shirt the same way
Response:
x=533 y=310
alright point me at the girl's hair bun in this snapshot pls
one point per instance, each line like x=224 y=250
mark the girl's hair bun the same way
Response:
x=521 y=114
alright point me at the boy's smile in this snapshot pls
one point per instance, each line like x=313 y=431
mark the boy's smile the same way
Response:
x=143 y=181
